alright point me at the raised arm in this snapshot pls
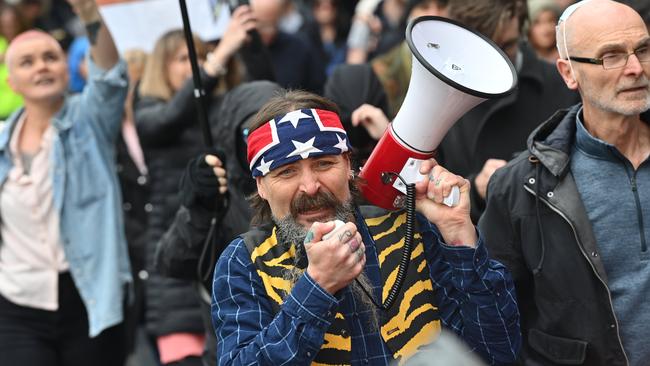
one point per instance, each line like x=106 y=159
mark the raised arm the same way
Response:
x=102 y=47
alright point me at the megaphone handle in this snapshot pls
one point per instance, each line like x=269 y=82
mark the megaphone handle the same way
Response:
x=453 y=198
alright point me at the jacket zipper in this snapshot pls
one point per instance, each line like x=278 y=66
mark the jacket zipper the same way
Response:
x=575 y=234
x=639 y=213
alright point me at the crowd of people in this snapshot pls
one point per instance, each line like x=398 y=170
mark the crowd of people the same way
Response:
x=125 y=241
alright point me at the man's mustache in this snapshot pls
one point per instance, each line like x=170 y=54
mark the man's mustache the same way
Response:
x=642 y=82
x=306 y=203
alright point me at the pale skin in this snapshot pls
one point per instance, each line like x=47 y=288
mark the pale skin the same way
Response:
x=268 y=13
x=372 y=119
x=241 y=22
x=219 y=172
x=622 y=88
x=37 y=71
x=483 y=177
x=179 y=69
x=337 y=261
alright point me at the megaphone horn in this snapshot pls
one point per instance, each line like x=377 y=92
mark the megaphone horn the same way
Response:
x=454 y=69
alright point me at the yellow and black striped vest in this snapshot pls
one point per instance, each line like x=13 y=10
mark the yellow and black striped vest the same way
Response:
x=412 y=322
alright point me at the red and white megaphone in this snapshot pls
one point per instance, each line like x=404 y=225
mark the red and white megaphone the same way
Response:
x=454 y=69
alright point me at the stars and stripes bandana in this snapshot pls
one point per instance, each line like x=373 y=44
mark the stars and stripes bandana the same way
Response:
x=300 y=134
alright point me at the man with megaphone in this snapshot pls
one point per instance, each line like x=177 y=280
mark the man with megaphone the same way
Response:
x=312 y=281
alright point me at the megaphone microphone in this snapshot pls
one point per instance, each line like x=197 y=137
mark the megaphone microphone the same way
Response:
x=454 y=69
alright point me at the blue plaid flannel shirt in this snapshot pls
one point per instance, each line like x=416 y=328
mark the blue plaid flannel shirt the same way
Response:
x=475 y=298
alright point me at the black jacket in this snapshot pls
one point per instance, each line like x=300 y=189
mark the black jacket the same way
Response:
x=192 y=244
x=135 y=199
x=536 y=224
x=194 y=227
x=498 y=128
x=170 y=136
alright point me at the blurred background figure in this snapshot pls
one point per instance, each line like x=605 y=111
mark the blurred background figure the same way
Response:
x=296 y=63
x=394 y=67
x=543 y=15
x=378 y=26
x=327 y=32
x=169 y=134
x=134 y=183
x=52 y=16
x=77 y=64
x=489 y=135
x=64 y=270
x=363 y=105
x=210 y=217
x=11 y=24
x=167 y=125
x=563 y=4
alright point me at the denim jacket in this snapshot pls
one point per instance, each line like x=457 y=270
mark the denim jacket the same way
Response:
x=86 y=191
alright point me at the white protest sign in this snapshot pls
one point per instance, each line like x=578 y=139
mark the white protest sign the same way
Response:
x=139 y=23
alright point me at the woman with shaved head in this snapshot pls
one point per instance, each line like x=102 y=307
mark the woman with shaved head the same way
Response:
x=63 y=257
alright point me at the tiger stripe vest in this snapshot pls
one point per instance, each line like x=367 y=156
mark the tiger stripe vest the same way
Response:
x=412 y=322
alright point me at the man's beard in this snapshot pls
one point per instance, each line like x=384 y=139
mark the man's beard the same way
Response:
x=289 y=231
x=610 y=102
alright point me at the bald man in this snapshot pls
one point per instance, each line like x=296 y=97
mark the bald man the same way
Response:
x=63 y=258
x=570 y=217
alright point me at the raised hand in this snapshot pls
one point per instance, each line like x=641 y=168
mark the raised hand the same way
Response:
x=372 y=119
x=241 y=22
x=482 y=179
x=454 y=223
x=336 y=261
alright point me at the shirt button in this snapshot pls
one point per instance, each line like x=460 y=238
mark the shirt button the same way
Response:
x=142 y=180
x=126 y=206
x=594 y=254
x=148 y=207
x=612 y=326
x=308 y=354
x=91 y=302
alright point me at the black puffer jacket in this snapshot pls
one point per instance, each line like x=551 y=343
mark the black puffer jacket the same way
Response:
x=179 y=250
x=499 y=128
x=196 y=238
x=170 y=136
x=536 y=224
x=135 y=197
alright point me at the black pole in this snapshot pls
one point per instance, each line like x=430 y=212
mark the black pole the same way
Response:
x=199 y=93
